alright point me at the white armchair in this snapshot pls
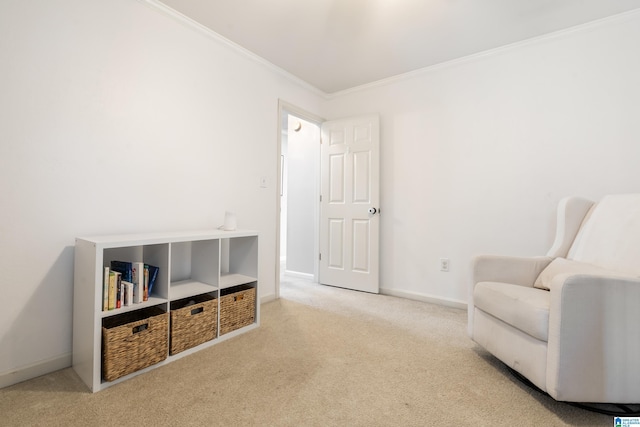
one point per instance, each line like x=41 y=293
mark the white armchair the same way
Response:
x=569 y=321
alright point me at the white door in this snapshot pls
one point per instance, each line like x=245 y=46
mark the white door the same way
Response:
x=349 y=206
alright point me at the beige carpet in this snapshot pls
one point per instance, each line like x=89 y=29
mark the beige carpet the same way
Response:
x=322 y=357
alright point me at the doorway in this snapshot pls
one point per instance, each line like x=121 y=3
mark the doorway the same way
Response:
x=346 y=254
x=299 y=194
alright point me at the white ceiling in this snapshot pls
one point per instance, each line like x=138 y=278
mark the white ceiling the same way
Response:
x=339 y=44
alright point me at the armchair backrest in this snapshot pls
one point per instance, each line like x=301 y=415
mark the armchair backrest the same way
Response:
x=572 y=212
x=609 y=236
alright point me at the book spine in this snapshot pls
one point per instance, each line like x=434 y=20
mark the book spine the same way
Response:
x=118 y=290
x=128 y=293
x=145 y=291
x=153 y=274
x=112 y=290
x=138 y=282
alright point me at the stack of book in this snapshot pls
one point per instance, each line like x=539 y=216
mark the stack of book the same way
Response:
x=127 y=283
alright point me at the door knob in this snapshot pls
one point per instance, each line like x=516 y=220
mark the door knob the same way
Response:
x=373 y=211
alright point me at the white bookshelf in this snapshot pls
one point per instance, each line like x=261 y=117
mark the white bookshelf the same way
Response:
x=190 y=263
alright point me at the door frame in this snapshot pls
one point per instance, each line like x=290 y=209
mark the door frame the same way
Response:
x=285 y=108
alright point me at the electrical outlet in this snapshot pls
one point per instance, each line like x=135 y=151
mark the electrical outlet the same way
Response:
x=444 y=264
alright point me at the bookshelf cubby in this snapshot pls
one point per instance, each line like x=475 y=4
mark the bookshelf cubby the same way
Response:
x=190 y=264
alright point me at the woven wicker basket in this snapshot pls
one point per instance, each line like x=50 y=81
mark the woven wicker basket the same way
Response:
x=132 y=341
x=237 y=308
x=193 y=324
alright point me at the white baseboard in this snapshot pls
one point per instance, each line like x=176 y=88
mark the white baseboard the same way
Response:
x=25 y=373
x=425 y=298
x=267 y=298
x=297 y=274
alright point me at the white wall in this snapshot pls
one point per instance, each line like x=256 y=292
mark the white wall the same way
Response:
x=476 y=154
x=101 y=99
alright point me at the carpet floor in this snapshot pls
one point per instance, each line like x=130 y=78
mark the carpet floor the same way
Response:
x=322 y=356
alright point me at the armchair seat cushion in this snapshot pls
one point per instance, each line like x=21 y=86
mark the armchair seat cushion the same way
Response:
x=525 y=308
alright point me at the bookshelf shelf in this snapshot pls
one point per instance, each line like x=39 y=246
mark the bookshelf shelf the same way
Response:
x=127 y=308
x=229 y=280
x=189 y=288
x=190 y=264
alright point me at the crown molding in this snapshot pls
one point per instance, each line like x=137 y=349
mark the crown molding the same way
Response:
x=588 y=26
x=185 y=20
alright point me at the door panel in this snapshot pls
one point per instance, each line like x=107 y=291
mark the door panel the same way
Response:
x=336 y=176
x=362 y=177
x=349 y=233
x=361 y=243
x=336 y=236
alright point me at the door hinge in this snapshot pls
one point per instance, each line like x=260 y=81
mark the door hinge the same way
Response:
x=320 y=257
x=321 y=197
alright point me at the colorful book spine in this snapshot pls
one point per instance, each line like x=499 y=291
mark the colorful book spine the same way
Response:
x=112 y=290
x=145 y=288
x=118 y=290
x=153 y=275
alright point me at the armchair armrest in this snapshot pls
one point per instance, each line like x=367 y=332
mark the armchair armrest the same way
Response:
x=521 y=271
x=594 y=339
